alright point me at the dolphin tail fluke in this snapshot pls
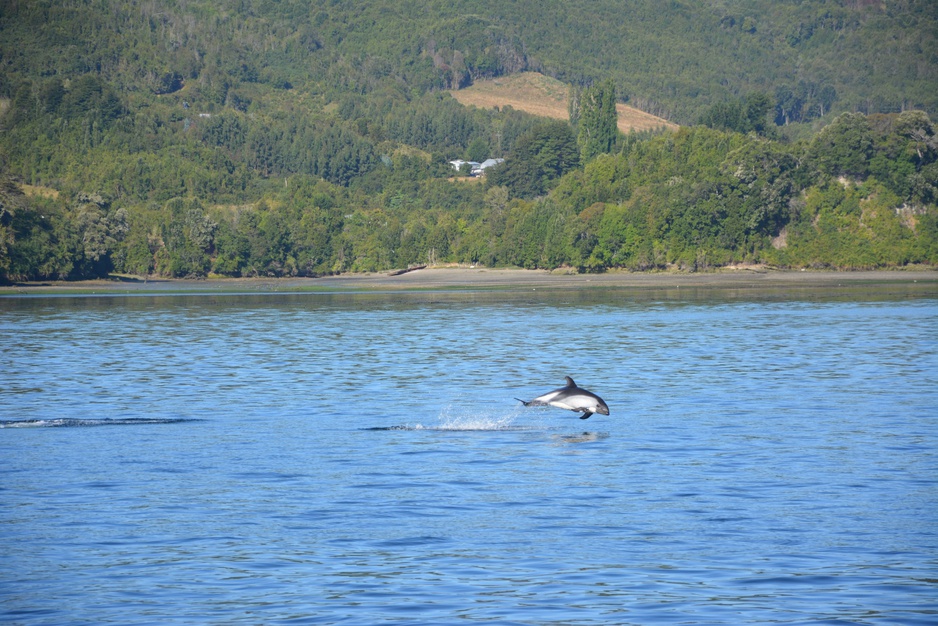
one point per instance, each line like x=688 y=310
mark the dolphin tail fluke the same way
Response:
x=586 y=415
x=522 y=401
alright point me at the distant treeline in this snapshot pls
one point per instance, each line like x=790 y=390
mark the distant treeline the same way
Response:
x=860 y=194
x=674 y=59
x=252 y=137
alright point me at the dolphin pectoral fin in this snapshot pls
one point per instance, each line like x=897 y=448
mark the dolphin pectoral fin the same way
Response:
x=586 y=415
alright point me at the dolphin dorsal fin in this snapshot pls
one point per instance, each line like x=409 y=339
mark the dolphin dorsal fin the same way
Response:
x=570 y=382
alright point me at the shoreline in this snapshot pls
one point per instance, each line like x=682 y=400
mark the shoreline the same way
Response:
x=487 y=279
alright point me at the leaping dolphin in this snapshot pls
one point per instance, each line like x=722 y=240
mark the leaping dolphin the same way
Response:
x=572 y=398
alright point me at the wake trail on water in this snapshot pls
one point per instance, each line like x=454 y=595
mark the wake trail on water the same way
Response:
x=467 y=419
x=65 y=422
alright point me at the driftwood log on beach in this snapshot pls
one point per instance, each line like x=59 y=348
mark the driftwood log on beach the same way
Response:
x=409 y=269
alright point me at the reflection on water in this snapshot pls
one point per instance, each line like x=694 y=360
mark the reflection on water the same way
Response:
x=769 y=457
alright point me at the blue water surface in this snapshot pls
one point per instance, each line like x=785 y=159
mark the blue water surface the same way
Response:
x=361 y=459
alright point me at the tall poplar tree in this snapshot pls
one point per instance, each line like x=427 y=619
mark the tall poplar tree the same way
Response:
x=597 y=120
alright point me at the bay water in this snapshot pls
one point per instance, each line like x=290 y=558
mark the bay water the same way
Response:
x=318 y=458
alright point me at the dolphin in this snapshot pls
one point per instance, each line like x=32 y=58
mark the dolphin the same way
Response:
x=572 y=398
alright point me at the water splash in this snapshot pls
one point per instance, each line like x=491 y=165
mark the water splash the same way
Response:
x=463 y=418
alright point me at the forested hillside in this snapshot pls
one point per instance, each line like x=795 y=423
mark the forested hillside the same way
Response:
x=288 y=137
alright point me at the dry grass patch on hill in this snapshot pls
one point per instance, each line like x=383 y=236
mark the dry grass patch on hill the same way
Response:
x=547 y=97
x=37 y=190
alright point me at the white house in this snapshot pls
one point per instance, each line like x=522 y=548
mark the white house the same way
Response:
x=476 y=169
x=486 y=164
x=458 y=163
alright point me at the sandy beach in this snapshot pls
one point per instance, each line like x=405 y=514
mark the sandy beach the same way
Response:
x=464 y=278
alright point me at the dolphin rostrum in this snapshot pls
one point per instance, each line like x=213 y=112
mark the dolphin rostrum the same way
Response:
x=572 y=398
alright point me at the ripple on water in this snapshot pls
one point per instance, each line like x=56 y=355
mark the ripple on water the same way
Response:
x=310 y=459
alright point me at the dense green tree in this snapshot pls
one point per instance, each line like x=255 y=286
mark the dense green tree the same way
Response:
x=596 y=120
x=41 y=239
x=12 y=202
x=844 y=148
x=188 y=240
x=478 y=150
x=100 y=230
x=91 y=97
x=803 y=102
x=749 y=114
x=540 y=156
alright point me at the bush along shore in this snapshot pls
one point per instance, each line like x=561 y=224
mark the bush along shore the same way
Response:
x=860 y=194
